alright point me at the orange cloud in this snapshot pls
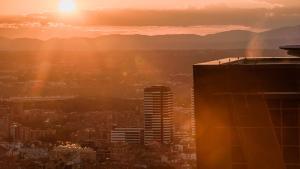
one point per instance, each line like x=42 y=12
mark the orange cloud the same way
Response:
x=189 y=17
x=148 y=22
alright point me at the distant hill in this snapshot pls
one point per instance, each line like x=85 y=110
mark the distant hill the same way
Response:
x=236 y=39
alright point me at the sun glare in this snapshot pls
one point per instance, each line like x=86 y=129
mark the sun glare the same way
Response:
x=67 y=6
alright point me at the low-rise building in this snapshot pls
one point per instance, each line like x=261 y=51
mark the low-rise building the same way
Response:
x=71 y=156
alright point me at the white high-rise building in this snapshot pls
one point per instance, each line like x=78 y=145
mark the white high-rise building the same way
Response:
x=127 y=135
x=158 y=114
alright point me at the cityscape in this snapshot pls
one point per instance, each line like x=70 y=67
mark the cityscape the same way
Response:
x=128 y=84
x=47 y=132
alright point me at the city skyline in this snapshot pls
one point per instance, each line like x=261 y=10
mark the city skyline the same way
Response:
x=139 y=84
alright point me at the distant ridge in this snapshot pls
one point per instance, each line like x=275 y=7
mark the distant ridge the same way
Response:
x=236 y=39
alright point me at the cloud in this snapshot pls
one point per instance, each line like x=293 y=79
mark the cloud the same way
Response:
x=184 y=19
x=181 y=4
x=257 y=17
x=286 y=3
x=35 y=6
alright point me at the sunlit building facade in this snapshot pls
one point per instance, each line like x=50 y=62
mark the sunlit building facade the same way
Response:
x=158 y=114
x=127 y=135
x=193 y=125
x=247 y=113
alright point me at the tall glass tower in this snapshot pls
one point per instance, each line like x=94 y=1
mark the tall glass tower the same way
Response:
x=247 y=113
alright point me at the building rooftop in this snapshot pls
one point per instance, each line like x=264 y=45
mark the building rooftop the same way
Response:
x=290 y=47
x=50 y=98
x=254 y=61
x=293 y=50
x=157 y=88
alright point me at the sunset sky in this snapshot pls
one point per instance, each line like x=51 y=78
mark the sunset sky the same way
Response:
x=67 y=18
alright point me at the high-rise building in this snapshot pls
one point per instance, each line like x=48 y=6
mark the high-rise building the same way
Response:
x=293 y=50
x=127 y=135
x=158 y=114
x=4 y=122
x=247 y=113
x=193 y=124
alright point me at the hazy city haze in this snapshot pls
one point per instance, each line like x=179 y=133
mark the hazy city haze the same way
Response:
x=149 y=84
x=50 y=19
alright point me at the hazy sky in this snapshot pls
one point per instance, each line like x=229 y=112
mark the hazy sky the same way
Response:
x=33 y=6
x=42 y=19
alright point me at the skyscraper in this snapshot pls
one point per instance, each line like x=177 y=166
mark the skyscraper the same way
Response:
x=4 y=122
x=247 y=113
x=293 y=50
x=127 y=135
x=158 y=114
x=193 y=125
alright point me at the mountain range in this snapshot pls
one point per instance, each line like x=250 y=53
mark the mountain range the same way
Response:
x=235 y=39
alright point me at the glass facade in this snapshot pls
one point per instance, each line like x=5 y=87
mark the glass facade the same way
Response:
x=247 y=113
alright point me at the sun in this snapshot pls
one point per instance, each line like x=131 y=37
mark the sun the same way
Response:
x=67 y=6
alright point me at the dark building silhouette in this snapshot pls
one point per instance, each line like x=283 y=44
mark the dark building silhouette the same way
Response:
x=293 y=50
x=247 y=113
